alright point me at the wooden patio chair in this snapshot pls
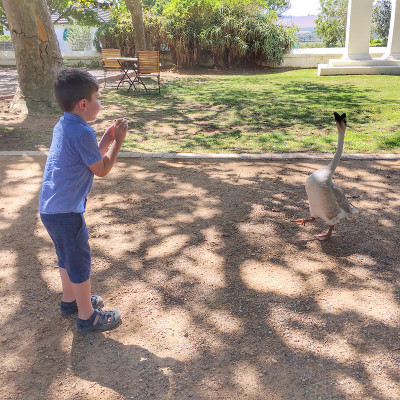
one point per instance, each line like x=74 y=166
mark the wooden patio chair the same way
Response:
x=148 y=67
x=110 y=65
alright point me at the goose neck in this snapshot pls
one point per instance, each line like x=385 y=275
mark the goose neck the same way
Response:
x=338 y=154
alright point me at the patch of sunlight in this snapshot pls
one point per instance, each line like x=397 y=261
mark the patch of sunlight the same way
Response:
x=212 y=236
x=207 y=265
x=8 y=259
x=165 y=230
x=368 y=277
x=140 y=174
x=112 y=199
x=10 y=303
x=376 y=304
x=186 y=190
x=363 y=259
x=247 y=377
x=271 y=278
x=335 y=347
x=225 y=322
x=168 y=247
x=375 y=180
x=350 y=386
x=237 y=181
x=44 y=149
x=66 y=341
x=386 y=380
x=25 y=168
x=313 y=271
x=263 y=228
x=258 y=210
x=203 y=265
x=169 y=330
x=156 y=276
x=125 y=203
x=20 y=178
x=205 y=213
x=165 y=342
x=295 y=330
x=179 y=217
x=386 y=222
x=110 y=240
x=7 y=274
x=3 y=224
x=51 y=275
x=46 y=255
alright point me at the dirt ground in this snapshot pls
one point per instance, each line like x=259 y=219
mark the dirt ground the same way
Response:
x=221 y=296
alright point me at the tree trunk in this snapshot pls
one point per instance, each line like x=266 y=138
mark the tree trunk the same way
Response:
x=37 y=54
x=135 y=8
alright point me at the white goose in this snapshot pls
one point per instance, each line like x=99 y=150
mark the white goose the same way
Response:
x=327 y=201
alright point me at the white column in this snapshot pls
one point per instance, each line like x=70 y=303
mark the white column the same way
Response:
x=359 y=19
x=393 y=48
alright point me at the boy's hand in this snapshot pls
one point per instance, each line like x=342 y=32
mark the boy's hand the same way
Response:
x=110 y=132
x=120 y=130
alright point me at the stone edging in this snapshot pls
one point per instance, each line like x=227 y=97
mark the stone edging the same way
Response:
x=216 y=156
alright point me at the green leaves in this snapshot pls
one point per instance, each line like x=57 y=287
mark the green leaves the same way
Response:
x=79 y=38
x=231 y=31
x=331 y=22
x=381 y=14
x=82 y=12
x=3 y=19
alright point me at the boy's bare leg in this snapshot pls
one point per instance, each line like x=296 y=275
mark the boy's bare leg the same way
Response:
x=82 y=293
x=68 y=294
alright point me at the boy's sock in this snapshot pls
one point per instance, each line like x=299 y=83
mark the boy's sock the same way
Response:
x=69 y=308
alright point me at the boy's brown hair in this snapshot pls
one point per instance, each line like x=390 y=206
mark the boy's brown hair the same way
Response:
x=73 y=85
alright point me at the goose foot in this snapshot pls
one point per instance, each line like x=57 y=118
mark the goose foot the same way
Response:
x=303 y=221
x=325 y=236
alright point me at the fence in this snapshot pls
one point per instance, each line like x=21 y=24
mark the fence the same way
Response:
x=6 y=46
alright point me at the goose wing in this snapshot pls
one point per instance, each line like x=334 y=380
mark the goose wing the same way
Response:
x=341 y=199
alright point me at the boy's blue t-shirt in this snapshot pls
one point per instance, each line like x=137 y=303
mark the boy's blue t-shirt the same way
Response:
x=67 y=180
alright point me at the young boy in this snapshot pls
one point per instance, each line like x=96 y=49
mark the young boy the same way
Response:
x=74 y=158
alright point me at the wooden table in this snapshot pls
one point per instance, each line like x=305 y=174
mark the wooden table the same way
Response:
x=125 y=63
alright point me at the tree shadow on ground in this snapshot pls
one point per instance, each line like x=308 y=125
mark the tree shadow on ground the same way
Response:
x=214 y=285
x=136 y=372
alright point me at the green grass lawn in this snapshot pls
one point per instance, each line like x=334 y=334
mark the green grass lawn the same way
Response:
x=264 y=112
x=275 y=111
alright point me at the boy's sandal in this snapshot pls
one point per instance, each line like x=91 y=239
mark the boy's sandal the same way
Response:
x=106 y=321
x=69 y=308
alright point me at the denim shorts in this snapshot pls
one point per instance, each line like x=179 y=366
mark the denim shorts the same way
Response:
x=71 y=239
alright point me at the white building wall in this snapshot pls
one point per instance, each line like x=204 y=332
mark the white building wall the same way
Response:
x=64 y=46
x=59 y=29
x=298 y=58
x=7 y=58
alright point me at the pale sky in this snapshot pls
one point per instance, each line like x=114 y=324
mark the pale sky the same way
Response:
x=303 y=7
